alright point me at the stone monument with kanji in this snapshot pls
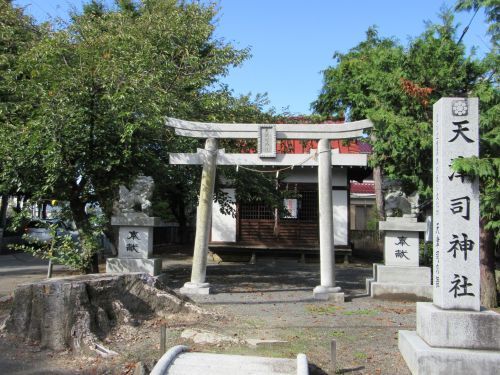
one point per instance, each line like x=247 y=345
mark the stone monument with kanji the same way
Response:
x=454 y=334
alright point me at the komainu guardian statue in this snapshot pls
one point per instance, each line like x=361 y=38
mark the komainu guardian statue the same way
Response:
x=137 y=200
x=398 y=203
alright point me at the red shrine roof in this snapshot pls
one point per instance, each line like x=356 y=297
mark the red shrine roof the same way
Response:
x=295 y=146
x=362 y=187
x=301 y=147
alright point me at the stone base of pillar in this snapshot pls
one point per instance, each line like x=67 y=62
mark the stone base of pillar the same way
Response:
x=423 y=359
x=329 y=293
x=195 y=288
x=452 y=342
x=458 y=328
x=399 y=282
x=401 y=292
x=151 y=266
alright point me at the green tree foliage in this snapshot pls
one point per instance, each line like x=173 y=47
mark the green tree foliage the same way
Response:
x=395 y=87
x=17 y=33
x=487 y=166
x=492 y=11
x=97 y=91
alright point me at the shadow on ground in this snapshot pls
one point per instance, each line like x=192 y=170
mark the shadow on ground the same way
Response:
x=270 y=277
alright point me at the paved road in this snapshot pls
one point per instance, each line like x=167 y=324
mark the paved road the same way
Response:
x=20 y=268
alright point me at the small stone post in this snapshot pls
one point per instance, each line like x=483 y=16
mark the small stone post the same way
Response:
x=326 y=248
x=49 y=269
x=333 y=355
x=197 y=285
x=163 y=339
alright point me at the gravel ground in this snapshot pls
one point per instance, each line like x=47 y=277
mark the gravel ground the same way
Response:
x=269 y=300
x=273 y=300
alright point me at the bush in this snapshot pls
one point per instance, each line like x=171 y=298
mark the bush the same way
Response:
x=426 y=253
x=63 y=249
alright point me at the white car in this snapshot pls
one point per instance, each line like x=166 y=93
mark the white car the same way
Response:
x=39 y=230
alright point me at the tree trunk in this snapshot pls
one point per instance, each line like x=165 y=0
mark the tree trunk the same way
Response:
x=487 y=267
x=379 y=194
x=3 y=211
x=377 y=180
x=76 y=312
x=44 y=209
x=84 y=229
x=18 y=203
x=178 y=207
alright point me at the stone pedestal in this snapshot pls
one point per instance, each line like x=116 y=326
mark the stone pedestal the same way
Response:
x=135 y=245
x=401 y=277
x=399 y=282
x=452 y=342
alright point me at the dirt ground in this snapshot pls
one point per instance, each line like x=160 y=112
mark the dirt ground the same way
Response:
x=269 y=300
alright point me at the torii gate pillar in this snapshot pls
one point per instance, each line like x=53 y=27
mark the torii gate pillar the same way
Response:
x=327 y=289
x=197 y=285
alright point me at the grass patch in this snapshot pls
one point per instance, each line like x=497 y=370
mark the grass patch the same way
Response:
x=338 y=334
x=253 y=323
x=295 y=344
x=360 y=355
x=323 y=310
x=366 y=312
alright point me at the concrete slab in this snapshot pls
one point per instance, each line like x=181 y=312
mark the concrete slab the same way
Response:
x=458 y=329
x=203 y=337
x=219 y=364
x=151 y=266
x=423 y=359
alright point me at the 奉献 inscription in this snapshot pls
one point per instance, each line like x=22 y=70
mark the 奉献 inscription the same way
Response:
x=135 y=242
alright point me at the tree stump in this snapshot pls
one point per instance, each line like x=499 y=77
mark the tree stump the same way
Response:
x=79 y=311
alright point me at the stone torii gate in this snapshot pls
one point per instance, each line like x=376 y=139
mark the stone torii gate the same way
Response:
x=267 y=135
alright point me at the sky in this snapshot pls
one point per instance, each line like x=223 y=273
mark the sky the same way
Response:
x=293 y=41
